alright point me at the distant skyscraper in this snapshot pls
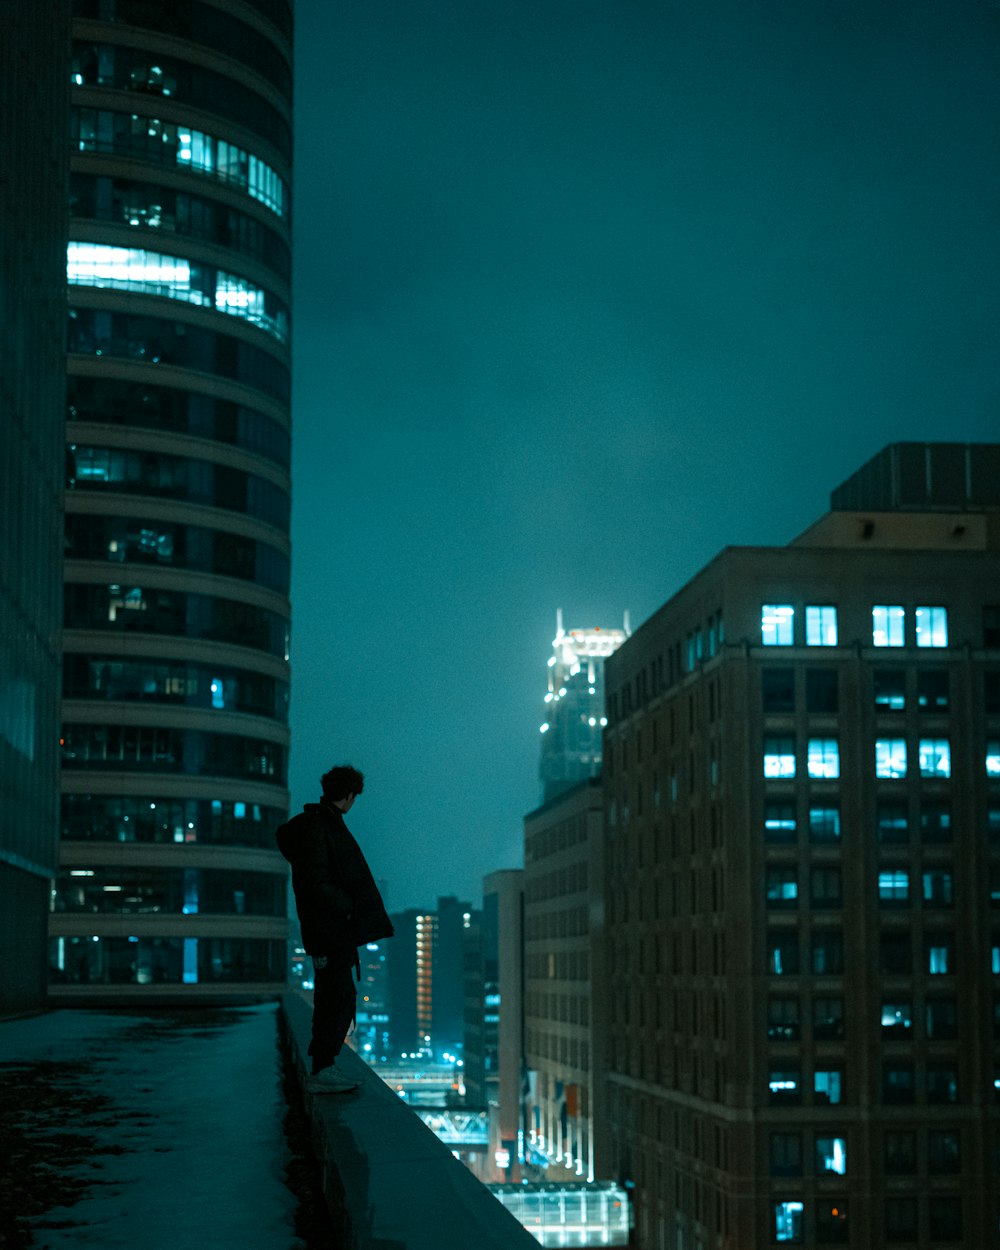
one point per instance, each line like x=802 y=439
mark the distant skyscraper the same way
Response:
x=34 y=63
x=574 y=706
x=175 y=735
x=802 y=849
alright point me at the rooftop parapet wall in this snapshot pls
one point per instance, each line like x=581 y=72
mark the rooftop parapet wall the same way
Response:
x=389 y=1182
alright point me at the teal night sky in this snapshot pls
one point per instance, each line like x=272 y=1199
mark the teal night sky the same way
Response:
x=585 y=291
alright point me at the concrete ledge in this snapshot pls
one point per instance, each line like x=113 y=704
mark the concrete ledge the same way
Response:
x=389 y=1182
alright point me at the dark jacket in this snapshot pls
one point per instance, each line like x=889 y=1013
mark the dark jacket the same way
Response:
x=336 y=897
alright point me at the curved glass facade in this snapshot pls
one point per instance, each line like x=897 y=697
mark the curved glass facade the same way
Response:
x=199 y=23
x=106 y=400
x=117 y=606
x=151 y=206
x=152 y=818
x=175 y=720
x=151 y=542
x=140 y=137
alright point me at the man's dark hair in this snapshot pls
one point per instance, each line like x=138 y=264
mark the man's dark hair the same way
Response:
x=341 y=781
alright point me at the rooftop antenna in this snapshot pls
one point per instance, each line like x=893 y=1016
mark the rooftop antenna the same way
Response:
x=628 y=624
x=559 y=624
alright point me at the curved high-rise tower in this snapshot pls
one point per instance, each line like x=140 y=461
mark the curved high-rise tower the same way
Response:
x=175 y=683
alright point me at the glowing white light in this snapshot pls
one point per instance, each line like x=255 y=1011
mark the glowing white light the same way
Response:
x=544 y=729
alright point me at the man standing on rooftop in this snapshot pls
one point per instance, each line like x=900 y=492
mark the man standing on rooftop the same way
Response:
x=339 y=909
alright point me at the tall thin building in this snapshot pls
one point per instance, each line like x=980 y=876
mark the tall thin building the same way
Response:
x=34 y=98
x=175 y=735
x=802 y=825
x=574 y=706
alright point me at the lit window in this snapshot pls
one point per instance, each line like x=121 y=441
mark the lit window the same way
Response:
x=788 y=1222
x=821 y=626
x=888 y=625
x=777 y=624
x=935 y=757
x=890 y=689
x=781 y=887
x=779 y=757
x=932 y=627
x=779 y=822
x=823 y=759
x=993 y=757
x=831 y=1156
x=890 y=757
x=828 y=1085
x=897 y=1019
x=893 y=885
x=151 y=273
x=784 y=1085
x=824 y=824
x=939 y=962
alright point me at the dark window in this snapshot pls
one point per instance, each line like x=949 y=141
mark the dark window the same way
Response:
x=991 y=626
x=942 y=1083
x=932 y=689
x=779 y=822
x=825 y=888
x=895 y=953
x=939 y=889
x=900 y=1154
x=993 y=822
x=831 y=1221
x=943 y=1152
x=945 y=1213
x=900 y=1219
x=778 y=689
x=991 y=693
x=892 y=822
x=828 y=1019
x=783 y=1020
x=786 y=1154
x=935 y=822
x=897 y=1082
x=827 y=953
x=890 y=689
x=821 y=690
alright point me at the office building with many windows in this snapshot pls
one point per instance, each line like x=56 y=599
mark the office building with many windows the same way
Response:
x=802 y=814
x=175 y=682
x=34 y=99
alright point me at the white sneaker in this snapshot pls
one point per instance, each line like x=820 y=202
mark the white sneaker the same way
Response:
x=330 y=1081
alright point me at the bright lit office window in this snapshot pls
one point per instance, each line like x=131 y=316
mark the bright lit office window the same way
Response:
x=152 y=273
x=831 y=1156
x=821 y=625
x=890 y=757
x=777 y=624
x=823 y=759
x=788 y=1222
x=935 y=757
x=993 y=757
x=888 y=625
x=932 y=627
x=779 y=757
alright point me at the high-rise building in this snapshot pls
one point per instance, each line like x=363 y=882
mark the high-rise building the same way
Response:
x=34 y=98
x=564 y=983
x=175 y=735
x=426 y=991
x=574 y=706
x=802 y=789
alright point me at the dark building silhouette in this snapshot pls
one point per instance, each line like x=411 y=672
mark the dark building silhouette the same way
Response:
x=175 y=684
x=34 y=97
x=425 y=976
x=802 y=814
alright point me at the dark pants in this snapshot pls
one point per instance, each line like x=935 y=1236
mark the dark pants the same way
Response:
x=333 y=1012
